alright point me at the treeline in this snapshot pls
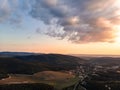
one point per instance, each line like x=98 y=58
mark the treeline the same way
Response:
x=36 y=63
x=26 y=87
x=104 y=81
x=96 y=85
x=3 y=76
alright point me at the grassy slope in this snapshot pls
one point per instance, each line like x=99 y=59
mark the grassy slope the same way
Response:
x=57 y=79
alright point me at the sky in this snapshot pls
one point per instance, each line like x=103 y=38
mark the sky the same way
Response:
x=60 y=26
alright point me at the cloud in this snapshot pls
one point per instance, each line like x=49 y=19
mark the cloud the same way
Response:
x=79 y=21
x=4 y=10
x=13 y=11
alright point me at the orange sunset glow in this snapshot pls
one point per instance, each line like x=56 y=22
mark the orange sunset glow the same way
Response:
x=58 y=26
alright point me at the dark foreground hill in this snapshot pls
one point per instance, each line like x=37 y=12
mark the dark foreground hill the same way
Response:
x=26 y=87
x=35 y=63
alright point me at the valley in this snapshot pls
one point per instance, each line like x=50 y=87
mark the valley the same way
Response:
x=64 y=73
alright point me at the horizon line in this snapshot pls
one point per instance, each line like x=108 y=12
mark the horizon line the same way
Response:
x=61 y=53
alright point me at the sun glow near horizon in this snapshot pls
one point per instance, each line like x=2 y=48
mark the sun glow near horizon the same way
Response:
x=60 y=26
x=117 y=38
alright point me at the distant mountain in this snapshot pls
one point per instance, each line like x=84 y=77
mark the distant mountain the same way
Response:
x=88 y=56
x=105 y=61
x=10 y=54
x=52 y=59
x=35 y=63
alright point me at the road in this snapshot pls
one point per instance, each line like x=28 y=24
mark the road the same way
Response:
x=77 y=85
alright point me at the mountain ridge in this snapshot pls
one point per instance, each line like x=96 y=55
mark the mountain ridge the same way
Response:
x=34 y=63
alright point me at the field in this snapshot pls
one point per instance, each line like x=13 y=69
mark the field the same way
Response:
x=59 y=80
